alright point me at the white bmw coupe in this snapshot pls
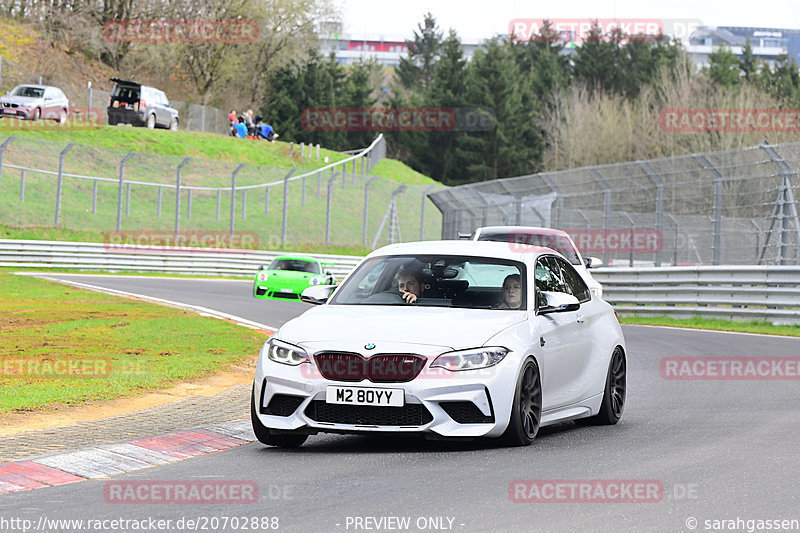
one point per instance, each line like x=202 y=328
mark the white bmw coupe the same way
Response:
x=448 y=339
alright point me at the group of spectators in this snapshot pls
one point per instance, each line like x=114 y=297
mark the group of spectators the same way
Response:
x=248 y=127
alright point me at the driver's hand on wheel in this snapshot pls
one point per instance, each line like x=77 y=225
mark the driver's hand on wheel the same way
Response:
x=409 y=297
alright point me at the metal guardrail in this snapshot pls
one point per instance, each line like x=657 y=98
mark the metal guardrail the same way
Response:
x=770 y=293
x=119 y=257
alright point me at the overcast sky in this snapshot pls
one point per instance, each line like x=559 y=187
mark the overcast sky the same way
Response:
x=477 y=19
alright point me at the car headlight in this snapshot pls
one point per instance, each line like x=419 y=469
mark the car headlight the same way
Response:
x=262 y=276
x=471 y=359
x=287 y=354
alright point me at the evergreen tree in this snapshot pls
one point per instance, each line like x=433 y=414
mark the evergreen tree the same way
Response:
x=723 y=68
x=416 y=71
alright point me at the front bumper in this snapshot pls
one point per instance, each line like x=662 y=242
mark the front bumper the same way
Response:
x=472 y=403
x=266 y=291
x=23 y=113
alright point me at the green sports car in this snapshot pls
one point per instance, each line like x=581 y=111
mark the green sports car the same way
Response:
x=287 y=276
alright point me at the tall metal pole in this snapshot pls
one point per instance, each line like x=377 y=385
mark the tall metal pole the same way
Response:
x=120 y=188
x=178 y=197
x=61 y=179
x=233 y=195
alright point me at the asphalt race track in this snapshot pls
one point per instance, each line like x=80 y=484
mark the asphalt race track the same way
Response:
x=724 y=450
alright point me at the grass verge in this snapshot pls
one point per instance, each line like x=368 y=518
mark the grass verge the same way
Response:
x=63 y=345
x=753 y=326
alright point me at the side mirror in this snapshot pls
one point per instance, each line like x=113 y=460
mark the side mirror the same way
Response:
x=317 y=294
x=592 y=262
x=558 y=302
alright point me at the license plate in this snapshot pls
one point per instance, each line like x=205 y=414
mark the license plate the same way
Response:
x=286 y=290
x=365 y=396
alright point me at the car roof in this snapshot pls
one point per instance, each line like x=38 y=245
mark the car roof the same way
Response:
x=36 y=86
x=295 y=257
x=501 y=250
x=126 y=82
x=521 y=229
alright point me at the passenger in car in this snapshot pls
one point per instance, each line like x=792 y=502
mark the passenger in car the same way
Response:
x=512 y=293
x=410 y=285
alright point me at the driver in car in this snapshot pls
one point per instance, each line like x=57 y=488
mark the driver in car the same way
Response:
x=410 y=285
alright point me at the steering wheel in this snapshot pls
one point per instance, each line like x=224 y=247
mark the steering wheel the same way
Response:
x=386 y=297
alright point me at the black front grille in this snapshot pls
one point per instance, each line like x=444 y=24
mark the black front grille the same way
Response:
x=286 y=295
x=282 y=405
x=379 y=368
x=466 y=413
x=411 y=414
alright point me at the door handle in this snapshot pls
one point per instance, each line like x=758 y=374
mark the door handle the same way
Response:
x=581 y=319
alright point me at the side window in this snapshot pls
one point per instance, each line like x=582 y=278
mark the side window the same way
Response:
x=577 y=287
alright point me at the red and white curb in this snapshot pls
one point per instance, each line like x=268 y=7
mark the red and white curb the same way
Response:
x=111 y=459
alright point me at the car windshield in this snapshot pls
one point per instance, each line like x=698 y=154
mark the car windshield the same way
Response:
x=436 y=280
x=33 y=92
x=559 y=243
x=296 y=265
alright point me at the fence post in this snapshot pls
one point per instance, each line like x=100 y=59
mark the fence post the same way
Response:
x=785 y=210
x=22 y=186
x=119 y=189
x=219 y=201
x=60 y=185
x=344 y=175
x=266 y=200
x=285 y=220
x=422 y=211
x=716 y=244
x=178 y=197
x=606 y=207
x=303 y=192
x=328 y=208
x=319 y=183
x=366 y=208
x=127 y=199
x=233 y=195
x=659 y=202
x=94 y=197
x=2 y=153
x=354 y=171
x=158 y=209
x=317 y=150
x=244 y=204
x=189 y=206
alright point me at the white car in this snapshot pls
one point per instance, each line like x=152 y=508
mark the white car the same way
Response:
x=551 y=238
x=32 y=102
x=473 y=356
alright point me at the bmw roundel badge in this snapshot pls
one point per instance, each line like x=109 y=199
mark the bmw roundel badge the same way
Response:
x=369 y=346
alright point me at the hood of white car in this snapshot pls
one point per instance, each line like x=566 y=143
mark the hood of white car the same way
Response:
x=351 y=327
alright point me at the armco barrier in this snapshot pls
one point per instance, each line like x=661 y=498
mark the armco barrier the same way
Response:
x=193 y=261
x=770 y=293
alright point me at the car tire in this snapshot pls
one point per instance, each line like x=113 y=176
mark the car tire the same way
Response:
x=614 y=394
x=62 y=117
x=264 y=436
x=112 y=121
x=151 y=122
x=526 y=411
x=173 y=126
x=37 y=114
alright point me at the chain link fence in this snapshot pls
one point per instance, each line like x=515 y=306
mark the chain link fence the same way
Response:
x=729 y=207
x=87 y=188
